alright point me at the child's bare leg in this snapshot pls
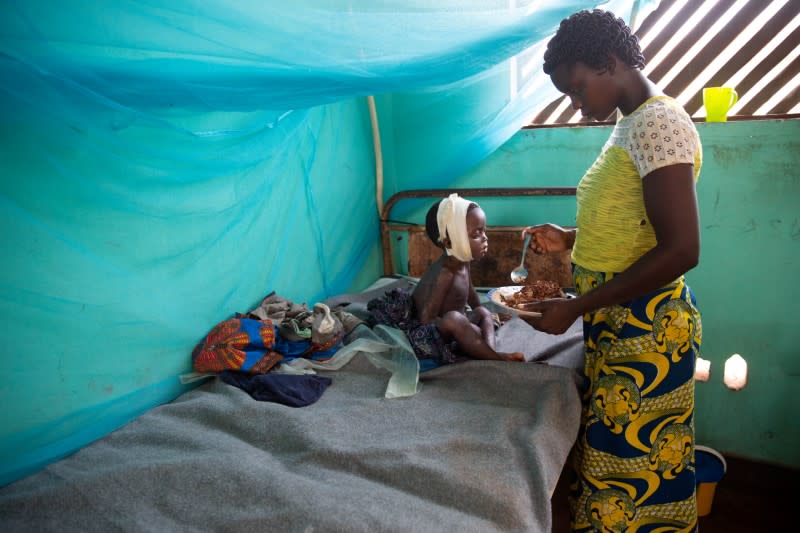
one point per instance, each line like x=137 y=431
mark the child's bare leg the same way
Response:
x=482 y=318
x=469 y=337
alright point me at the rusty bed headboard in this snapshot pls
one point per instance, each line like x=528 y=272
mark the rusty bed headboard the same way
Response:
x=505 y=244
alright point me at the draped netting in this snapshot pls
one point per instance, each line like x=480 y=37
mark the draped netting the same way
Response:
x=166 y=164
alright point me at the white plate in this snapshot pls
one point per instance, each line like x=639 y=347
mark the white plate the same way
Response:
x=496 y=296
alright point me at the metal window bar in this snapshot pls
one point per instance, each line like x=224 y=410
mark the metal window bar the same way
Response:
x=754 y=47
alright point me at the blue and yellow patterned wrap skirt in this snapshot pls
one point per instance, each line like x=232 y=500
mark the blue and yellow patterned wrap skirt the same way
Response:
x=633 y=461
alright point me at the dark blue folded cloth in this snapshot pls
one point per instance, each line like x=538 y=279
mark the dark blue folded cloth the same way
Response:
x=287 y=389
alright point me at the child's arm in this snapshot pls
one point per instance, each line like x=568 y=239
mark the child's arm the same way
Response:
x=473 y=299
x=431 y=308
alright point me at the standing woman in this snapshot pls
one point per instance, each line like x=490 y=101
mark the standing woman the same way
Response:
x=637 y=234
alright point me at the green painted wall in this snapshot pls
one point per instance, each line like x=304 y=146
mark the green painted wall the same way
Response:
x=749 y=198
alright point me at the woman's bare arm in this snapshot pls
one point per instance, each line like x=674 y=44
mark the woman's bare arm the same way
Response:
x=671 y=204
x=669 y=197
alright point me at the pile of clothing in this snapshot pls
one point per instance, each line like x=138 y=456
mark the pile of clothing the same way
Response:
x=245 y=349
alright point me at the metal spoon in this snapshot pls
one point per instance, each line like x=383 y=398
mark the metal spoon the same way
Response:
x=520 y=274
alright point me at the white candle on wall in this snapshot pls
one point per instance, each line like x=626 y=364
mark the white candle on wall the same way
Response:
x=735 y=372
x=702 y=369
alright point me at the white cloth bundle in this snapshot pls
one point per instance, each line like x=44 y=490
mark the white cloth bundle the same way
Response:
x=452 y=221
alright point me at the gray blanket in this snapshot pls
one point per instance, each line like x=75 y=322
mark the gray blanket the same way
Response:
x=478 y=448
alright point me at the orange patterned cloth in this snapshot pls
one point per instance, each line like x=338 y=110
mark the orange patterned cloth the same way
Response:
x=240 y=344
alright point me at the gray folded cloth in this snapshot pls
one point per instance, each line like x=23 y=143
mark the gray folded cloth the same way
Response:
x=277 y=308
x=296 y=323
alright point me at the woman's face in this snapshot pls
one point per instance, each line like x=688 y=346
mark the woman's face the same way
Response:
x=476 y=230
x=591 y=90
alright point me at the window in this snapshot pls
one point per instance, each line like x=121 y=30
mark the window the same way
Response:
x=753 y=46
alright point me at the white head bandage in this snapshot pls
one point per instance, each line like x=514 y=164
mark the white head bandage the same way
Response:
x=452 y=221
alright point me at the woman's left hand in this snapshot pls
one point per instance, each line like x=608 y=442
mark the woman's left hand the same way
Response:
x=558 y=314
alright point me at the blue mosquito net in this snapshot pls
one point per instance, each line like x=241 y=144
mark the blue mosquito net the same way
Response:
x=168 y=163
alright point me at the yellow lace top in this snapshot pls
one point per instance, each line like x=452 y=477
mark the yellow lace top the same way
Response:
x=613 y=228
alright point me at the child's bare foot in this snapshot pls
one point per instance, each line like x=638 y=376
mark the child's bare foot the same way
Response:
x=515 y=356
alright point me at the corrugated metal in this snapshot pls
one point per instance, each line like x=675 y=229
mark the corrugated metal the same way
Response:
x=751 y=45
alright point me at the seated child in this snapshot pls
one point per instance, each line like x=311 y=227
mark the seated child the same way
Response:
x=434 y=317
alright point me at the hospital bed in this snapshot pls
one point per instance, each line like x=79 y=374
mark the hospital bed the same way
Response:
x=479 y=446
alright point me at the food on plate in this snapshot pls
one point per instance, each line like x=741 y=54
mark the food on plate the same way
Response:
x=533 y=292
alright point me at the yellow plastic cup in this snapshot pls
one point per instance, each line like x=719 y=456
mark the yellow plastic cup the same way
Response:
x=718 y=101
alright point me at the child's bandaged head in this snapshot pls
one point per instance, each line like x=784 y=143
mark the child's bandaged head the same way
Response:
x=452 y=221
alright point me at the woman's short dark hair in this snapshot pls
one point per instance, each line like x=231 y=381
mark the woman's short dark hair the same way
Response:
x=590 y=37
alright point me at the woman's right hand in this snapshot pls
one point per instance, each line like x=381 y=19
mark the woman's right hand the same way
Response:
x=548 y=238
